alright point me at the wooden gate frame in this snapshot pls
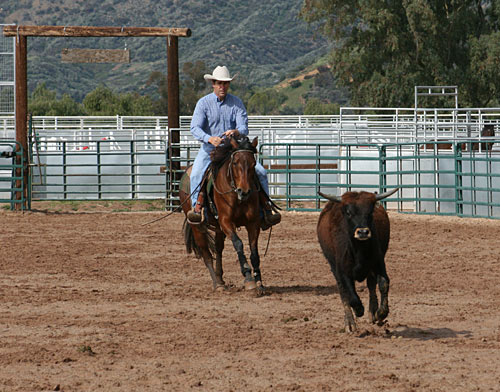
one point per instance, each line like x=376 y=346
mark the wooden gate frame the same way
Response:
x=21 y=105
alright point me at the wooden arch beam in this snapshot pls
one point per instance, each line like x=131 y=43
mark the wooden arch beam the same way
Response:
x=21 y=105
x=93 y=31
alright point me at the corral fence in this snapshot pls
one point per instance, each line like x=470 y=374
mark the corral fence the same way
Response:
x=94 y=158
x=11 y=174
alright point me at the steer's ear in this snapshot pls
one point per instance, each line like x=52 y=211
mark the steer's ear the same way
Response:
x=336 y=199
x=255 y=141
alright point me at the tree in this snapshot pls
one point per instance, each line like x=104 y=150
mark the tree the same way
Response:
x=266 y=102
x=192 y=87
x=160 y=80
x=315 y=107
x=384 y=48
x=44 y=102
x=101 y=102
x=104 y=102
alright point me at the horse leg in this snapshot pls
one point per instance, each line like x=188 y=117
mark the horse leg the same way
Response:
x=219 y=247
x=245 y=268
x=253 y=238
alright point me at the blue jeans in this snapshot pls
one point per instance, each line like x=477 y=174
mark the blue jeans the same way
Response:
x=200 y=165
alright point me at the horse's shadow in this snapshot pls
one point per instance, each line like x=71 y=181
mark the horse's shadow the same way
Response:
x=407 y=332
x=301 y=289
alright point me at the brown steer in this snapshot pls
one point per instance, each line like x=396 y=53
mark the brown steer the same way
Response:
x=353 y=231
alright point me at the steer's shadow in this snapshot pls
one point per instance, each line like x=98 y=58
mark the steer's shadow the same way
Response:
x=301 y=289
x=407 y=332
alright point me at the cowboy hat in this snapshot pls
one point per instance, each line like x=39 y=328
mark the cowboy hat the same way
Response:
x=220 y=73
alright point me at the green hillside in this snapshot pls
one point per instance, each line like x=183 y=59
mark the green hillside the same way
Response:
x=265 y=42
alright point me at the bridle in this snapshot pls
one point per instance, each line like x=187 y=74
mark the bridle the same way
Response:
x=231 y=176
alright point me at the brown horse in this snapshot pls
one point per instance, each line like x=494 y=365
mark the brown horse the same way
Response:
x=232 y=202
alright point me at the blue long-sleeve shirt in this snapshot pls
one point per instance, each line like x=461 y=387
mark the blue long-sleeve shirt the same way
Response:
x=213 y=117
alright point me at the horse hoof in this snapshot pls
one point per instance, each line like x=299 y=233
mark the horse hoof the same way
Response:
x=250 y=285
x=220 y=287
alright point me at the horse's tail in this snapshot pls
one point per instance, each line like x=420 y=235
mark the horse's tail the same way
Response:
x=192 y=246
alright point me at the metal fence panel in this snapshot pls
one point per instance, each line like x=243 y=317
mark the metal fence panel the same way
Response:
x=431 y=180
x=7 y=74
x=11 y=174
x=98 y=169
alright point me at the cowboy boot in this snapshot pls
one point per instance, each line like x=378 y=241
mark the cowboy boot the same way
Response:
x=194 y=216
x=269 y=218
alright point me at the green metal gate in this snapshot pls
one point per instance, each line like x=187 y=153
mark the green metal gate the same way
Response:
x=459 y=180
x=11 y=175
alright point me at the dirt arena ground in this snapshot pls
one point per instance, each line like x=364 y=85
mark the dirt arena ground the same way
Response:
x=99 y=301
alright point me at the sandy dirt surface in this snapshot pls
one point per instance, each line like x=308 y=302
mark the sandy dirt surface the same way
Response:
x=99 y=301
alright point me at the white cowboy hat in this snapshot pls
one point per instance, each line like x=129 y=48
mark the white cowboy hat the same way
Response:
x=221 y=74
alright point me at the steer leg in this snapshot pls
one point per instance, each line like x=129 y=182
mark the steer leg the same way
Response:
x=383 y=286
x=349 y=322
x=371 y=282
x=350 y=300
x=353 y=297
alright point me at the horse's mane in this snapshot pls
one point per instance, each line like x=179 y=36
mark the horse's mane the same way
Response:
x=224 y=150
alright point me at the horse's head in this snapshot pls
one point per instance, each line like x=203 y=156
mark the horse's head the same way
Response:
x=242 y=166
x=239 y=153
x=488 y=130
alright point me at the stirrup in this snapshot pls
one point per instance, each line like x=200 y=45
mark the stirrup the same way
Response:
x=193 y=217
x=269 y=220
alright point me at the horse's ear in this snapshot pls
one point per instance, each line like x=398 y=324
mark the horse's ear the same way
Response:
x=255 y=141
x=234 y=143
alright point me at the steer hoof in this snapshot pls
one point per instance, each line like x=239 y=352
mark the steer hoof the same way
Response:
x=250 y=284
x=350 y=326
x=382 y=314
x=359 y=309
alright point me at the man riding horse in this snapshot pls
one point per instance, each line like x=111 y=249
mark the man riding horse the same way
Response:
x=218 y=115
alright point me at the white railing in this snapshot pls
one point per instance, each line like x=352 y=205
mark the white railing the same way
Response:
x=352 y=125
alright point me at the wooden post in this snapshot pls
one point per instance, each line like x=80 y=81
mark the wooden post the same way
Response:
x=22 y=115
x=173 y=105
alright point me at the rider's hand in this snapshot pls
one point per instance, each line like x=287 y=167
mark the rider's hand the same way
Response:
x=231 y=132
x=215 y=140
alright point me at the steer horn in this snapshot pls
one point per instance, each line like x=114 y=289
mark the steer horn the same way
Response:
x=386 y=194
x=337 y=199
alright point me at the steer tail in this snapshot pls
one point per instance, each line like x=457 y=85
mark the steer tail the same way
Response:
x=190 y=242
